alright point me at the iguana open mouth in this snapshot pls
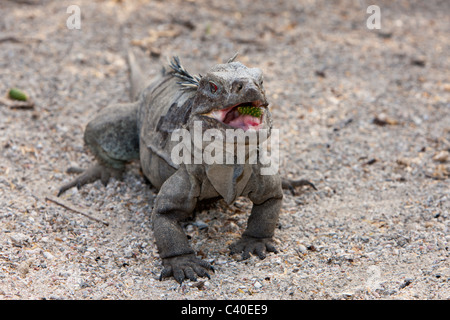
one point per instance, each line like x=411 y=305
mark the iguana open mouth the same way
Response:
x=247 y=115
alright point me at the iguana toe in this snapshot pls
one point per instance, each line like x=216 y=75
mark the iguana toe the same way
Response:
x=249 y=245
x=292 y=184
x=185 y=267
x=90 y=175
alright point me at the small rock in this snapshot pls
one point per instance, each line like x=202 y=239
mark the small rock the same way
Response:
x=231 y=227
x=24 y=268
x=221 y=261
x=257 y=285
x=382 y=119
x=128 y=253
x=441 y=156
x=385 y=35
x=419 y=62
x=200 y=285
x=320 y=73
x=19 y=239
x=200 y=224
x=302 y=249
x=406 y=283
x=347 y=294
x=155 y=52
x=48 y=255
x=365 y=239
x=407 y=162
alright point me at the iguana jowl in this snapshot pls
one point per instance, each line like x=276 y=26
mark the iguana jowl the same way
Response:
x=142 y=130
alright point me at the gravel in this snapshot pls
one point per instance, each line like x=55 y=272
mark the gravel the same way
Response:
x=364 y=114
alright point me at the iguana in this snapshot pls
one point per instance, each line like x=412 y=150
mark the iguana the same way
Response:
x=142 y=130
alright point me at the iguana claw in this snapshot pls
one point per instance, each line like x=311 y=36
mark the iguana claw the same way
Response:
x=248 y=245
x=292 y=184
x=185 y=267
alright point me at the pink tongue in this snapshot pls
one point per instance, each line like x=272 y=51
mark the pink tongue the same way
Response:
x=245 y=122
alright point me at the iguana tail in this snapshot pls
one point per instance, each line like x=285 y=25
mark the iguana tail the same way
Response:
x=137 y=78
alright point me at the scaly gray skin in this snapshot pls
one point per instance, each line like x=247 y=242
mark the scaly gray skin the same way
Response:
x=141 y=130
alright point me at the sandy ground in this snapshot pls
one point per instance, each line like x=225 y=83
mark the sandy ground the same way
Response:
x=364 y=114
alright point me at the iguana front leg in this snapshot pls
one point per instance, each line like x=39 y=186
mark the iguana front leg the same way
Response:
x=258 y=237
x=175 y=202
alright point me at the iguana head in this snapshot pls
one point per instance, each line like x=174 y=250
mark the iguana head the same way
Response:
x=229 y=96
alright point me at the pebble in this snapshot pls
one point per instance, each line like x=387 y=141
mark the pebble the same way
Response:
x=33 y=251
x=257 y=285
x=24 y=267
x=128 y=253
x=220 y=261
x=302 y=249
x=19 y=239
x=347 y=294
x=200 y=224
x=441 y=156
x=48 y=255
x=231 y=227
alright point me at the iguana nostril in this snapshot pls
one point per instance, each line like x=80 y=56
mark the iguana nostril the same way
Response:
x=237 y=86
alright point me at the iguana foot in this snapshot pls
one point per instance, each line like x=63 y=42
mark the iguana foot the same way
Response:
x=258 y=246
x=97 y=172
x=292 y=184
x=185 y=267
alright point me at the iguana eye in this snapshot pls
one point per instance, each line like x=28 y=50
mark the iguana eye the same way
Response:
x=212 y=87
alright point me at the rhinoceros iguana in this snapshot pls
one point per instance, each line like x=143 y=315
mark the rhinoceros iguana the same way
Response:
x=142 y=130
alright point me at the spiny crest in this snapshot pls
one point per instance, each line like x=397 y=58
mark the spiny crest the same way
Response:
x=189 y=82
